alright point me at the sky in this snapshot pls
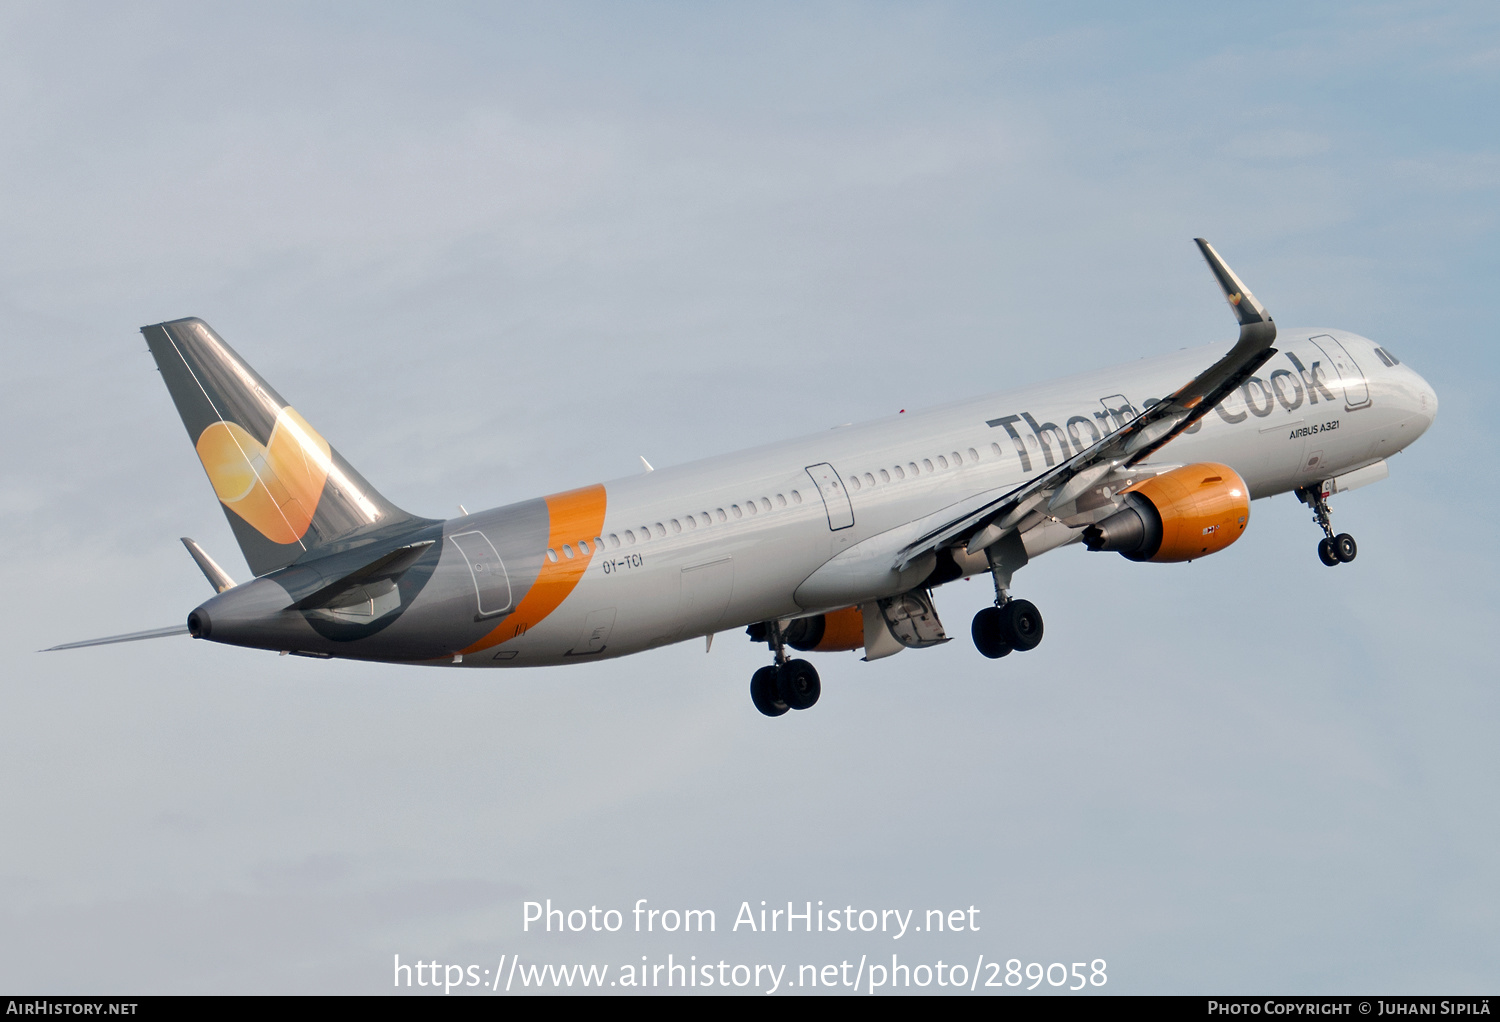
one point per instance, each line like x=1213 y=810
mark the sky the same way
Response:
x=493 y=251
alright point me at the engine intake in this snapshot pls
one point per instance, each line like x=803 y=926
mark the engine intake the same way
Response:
x=1181 y=515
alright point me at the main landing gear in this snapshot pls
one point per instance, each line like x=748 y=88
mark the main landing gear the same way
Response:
x=786 y=684
x=1008 y=625
x=1332 y=550
x=1013 y=625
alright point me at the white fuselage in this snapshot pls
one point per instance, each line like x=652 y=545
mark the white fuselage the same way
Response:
x=689 y=550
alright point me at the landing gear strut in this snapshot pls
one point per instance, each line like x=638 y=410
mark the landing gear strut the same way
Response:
x=1332 y=550
x=786 y=684
x=1010 y=624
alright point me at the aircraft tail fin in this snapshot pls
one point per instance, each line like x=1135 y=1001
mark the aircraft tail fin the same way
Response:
x=283 y=488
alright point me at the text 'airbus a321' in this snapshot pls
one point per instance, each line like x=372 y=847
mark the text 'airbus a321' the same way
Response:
x=832 y=542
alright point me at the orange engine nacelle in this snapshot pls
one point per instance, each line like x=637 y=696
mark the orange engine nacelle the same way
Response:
x=828 y=633
x=1180 y=515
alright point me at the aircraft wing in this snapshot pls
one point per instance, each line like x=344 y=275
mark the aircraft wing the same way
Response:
x=986 y=517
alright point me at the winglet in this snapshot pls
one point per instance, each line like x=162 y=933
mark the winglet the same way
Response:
x=1253 y=318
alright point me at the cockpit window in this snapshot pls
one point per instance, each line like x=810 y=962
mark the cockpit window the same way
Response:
x=1387 y=357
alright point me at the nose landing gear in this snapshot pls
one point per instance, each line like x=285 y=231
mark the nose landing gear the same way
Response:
x=786 y=684
x=1332 y=550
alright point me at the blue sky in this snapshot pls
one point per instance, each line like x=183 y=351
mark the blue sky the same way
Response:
x=494 y=251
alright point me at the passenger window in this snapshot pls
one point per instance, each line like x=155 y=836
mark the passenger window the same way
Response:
x=692 y=521
x=796 y=497
x=735 y=508
x=722 y=516
x=614 y=539
x=854 y=482
x=552 y=555
x=765 y=503
x=956 y=459
x=567 y=551
x=973 y=454
x=942 y=461
x=630 y=537
x=885 y=476
x=583 y=547
x=780 y=500
x=869 y=479
x=911 y=466
x=997 y=450
x=661 y=530
x=676 y=526
x=900 y=474
x=750 y=506
x=927 y=464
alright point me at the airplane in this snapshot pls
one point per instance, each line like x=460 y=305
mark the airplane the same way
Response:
x=832 y=542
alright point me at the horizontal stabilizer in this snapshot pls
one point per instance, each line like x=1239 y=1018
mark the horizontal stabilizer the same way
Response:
x=217 y=576
x=155 y=633
x=387 y=566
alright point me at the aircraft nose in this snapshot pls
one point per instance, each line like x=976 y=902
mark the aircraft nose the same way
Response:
x=1424 y=406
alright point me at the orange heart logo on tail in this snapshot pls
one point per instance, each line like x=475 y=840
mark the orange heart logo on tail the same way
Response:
x=275 y=487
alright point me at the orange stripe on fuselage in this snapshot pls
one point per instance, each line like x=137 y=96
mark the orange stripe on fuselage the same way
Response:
x=572 y=516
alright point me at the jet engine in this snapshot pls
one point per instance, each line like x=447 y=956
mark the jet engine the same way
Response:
x=1187 y=513
x=827 y=633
